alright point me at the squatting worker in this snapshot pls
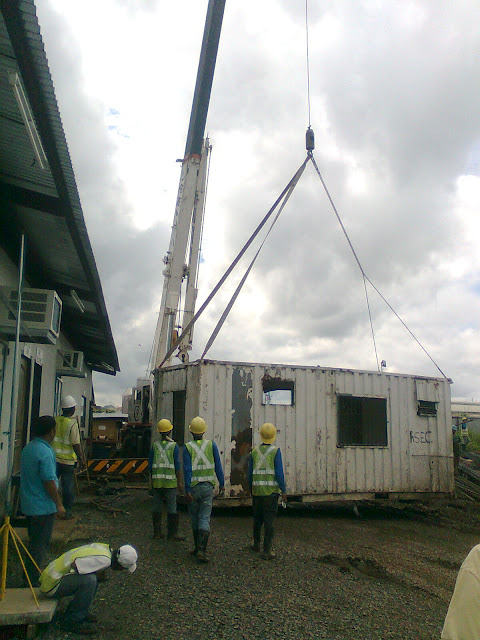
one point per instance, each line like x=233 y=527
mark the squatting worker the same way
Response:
x=66 y=445
x=267 y=482
x=39 y=497
x=77 y=573
x=164 y=467
x=201 y=463
x=463 y=617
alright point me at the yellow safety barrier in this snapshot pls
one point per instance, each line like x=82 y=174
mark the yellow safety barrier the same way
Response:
x=120 y=466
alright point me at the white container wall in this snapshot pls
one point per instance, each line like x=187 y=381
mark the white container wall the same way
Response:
x=343 y=434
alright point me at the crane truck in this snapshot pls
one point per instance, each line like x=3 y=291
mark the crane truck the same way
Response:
x=183 y=255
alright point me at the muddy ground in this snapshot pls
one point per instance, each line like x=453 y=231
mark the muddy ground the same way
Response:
x=389 y=573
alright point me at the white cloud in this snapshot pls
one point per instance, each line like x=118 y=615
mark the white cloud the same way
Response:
x=394 y=105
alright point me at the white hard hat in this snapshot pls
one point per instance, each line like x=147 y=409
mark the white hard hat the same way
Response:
x=68 y=402
x=127 y=557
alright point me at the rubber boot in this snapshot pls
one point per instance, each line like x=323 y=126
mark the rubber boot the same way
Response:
x=268 y=554
x=157 y=525
x=256 y=539
x=173 y=520
x=202 y=546
x=194 y=551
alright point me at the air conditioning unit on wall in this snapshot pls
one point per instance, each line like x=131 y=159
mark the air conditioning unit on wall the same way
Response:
x=71 y=364
x=40 y=315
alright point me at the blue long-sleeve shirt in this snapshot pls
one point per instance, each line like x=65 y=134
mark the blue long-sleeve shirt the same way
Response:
x=278 y=463
x=176 y=458
x=187 y=467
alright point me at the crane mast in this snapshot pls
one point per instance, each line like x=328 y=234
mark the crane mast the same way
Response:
x=181 y=261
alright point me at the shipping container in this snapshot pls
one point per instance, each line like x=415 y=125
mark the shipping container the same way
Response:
x=343 y=434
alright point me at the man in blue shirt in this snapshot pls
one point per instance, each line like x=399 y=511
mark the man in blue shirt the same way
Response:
x=267 y=482
x=201 y=463
x=39 y=497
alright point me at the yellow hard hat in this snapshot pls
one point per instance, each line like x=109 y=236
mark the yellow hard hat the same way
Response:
x=268 y=433
x=198 y=425
x=164 y=426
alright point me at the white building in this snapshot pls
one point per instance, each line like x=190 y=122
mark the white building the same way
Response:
x=64 y=332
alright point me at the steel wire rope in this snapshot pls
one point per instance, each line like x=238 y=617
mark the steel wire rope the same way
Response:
x=309 y=127
x=229 y=306
x=308 y=63
x=234 y=263
x=364 y=275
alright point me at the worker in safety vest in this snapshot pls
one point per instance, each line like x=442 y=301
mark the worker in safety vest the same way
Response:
x=457 y=441
x=464 y=434
x=201 y=463
x=77 y=573
x=66 y=445
x=164 y=467
x=267 y=483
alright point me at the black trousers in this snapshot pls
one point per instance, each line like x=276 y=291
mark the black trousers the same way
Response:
x=40 y=529
x=264 y=513
x=65 y=473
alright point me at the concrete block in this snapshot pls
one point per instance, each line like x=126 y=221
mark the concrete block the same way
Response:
x=18 y=607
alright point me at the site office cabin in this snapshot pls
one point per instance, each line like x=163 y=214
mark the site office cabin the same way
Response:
x=344 y=434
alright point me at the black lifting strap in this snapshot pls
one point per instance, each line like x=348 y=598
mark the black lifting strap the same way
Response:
x=287 y=190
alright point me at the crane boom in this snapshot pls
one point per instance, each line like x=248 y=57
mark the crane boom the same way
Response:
x=181 y=261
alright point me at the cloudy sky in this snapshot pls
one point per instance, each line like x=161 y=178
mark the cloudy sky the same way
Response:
x=395 y=106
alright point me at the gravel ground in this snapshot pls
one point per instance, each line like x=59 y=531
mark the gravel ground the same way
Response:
x=388 y=574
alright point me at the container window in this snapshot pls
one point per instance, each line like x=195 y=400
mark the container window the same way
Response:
x=179 y=398
x=362 y=422
x=426 y=408
x=277 y=391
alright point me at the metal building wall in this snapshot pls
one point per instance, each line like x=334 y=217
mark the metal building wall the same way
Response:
x=417 y=458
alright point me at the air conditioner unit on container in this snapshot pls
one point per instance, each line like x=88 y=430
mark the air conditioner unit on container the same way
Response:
x=40 y=315
x=71 y=364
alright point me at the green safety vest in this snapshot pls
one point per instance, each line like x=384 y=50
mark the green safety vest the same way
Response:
x=163 y=467
x=62 y=566
x=61 y=443
x=263 y=478
x=203 y=462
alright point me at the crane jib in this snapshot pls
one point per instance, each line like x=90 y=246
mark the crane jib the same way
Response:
x=206 y=69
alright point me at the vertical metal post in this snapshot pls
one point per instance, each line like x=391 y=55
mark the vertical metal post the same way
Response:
x=15 y=383
x=4 y=533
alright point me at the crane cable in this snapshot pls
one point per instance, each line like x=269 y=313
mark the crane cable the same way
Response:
x=285 y=195
x=354 y=255
x=364 y=275
x=220 y=323
x=315 y=165
x=308 y=63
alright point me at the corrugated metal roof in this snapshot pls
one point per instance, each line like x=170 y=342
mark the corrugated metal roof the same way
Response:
x=44 y=203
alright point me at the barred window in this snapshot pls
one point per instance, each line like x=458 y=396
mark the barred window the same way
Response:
x=362 y=421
